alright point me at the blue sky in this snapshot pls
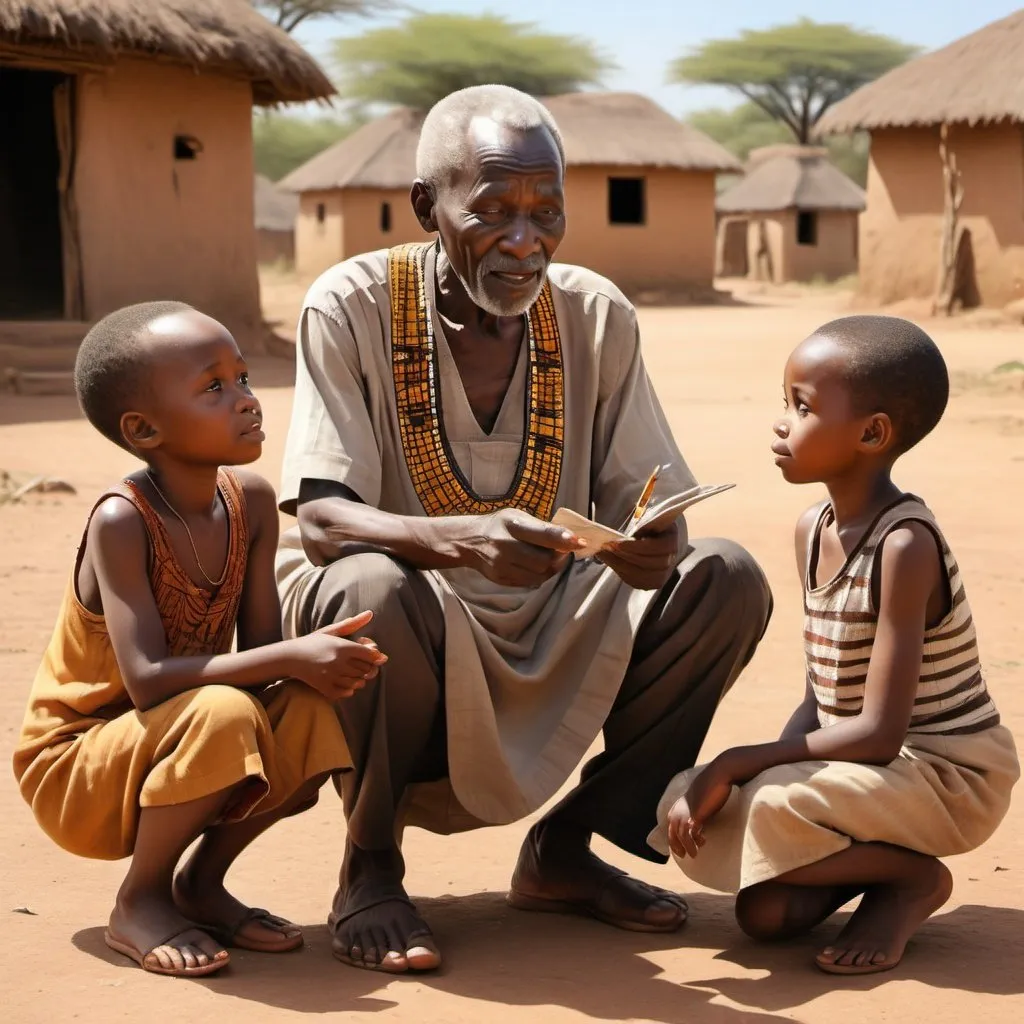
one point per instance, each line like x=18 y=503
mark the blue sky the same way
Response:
x=643 y=36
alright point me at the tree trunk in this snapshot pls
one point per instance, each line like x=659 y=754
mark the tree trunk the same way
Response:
x=949 y=245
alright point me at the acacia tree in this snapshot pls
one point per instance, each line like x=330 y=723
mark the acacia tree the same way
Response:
x=428 y=56
x=794 y=73
x=281 y=142
x=747 y=127
x=289 y=14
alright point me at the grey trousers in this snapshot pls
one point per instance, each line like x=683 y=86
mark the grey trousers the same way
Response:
x=699 y=632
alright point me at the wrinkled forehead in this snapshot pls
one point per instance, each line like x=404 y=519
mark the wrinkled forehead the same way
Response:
x=496 y=151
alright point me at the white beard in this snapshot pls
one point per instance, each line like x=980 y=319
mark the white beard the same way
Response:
x=489 y=305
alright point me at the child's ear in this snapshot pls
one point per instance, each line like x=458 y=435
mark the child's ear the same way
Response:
x=139 y=432
x=878 y=434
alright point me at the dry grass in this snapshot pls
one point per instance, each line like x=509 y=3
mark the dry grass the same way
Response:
x=208 y=34
x=974 y=80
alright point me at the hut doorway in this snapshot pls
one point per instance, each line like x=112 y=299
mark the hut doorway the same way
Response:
x=733 y=257
x=31 y=246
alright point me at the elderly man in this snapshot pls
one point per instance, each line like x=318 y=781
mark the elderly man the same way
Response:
x=450 y=396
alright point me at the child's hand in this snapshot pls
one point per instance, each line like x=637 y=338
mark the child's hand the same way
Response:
x=336 y=666
x=706 y=796
x=685 y=836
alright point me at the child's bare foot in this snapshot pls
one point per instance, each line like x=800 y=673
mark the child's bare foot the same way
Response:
x=151 y=930
x=877 y=934
x=211 y=906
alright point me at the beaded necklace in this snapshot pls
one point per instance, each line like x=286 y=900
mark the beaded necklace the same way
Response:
x=439 y=483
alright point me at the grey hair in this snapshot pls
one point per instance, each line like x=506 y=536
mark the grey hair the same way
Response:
x=444 y=137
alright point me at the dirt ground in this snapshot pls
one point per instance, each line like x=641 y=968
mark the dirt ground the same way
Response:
x=718 y=371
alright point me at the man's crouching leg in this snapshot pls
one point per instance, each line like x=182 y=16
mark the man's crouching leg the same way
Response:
x=698 y=634
x=394 y=728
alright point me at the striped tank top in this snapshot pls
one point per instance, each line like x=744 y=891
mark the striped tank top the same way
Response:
x=840 y=621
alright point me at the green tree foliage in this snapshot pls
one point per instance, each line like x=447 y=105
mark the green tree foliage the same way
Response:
x=794 y=73
x=428 y=56
x=748 y=127
x=741 y=128
x=289 y=14
x=282 y=142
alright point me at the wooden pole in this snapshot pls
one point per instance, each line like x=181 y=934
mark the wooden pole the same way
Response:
x=953 y=197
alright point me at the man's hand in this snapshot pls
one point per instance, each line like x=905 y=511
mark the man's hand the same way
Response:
x=516 y=549
x=647 y=559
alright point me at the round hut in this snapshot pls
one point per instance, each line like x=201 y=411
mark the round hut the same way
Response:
x=945 y=189
x=792 y=217
x=126 y=169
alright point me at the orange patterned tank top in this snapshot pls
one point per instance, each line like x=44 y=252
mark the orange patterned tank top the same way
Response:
x=79 y=682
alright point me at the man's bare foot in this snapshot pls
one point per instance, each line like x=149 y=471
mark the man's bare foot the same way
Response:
x=150 y=929
x=558 y=873
x=876 y=936
x=374 y=924
x=772 y=911
x=208 y=903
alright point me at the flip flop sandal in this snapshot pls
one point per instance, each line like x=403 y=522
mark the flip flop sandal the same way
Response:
x=885 y=965
x=228 y=935
x=597 y=906
x=385 y=966
x=149 y=963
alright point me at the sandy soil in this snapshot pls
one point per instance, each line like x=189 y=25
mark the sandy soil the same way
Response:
x=718 y=371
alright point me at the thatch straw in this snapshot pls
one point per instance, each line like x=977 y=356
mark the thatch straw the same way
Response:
x=381 y=154
x=610 y=129
x=978 y=79
x=628 y=130
x=210 y=35
x=791 y=177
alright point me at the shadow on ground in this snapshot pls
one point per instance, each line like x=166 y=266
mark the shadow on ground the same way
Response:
x=498 y=955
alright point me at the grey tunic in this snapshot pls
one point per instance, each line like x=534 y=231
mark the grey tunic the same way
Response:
x=530 y=673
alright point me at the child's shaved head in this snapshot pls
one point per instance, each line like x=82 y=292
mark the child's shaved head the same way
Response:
x=111 y=370
x=892 y=366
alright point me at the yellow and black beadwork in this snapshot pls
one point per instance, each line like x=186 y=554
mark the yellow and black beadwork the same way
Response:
x=440 y=485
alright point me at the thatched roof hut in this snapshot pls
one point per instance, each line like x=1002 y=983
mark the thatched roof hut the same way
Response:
x=791 y=178
x=225 y=36
x=978 y=79
x=975 y=86
x=126 y=167
x=598 y=129
x=793 y=217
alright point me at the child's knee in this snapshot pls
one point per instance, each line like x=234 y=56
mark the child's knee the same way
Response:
x=760 y=913
x=296 y=701
x=226 y=709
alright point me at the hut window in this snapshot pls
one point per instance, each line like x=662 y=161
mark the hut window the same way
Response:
x=385 y=217
x=626 y=201
x=186 y=147
x=321 y=213
x=806 y=227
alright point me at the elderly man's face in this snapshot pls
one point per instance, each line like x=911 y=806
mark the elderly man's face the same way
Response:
x=502 y=216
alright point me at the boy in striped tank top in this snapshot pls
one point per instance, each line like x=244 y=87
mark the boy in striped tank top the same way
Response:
x=896 y=757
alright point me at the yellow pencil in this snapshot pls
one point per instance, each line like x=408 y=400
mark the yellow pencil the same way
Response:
x=645 y=494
